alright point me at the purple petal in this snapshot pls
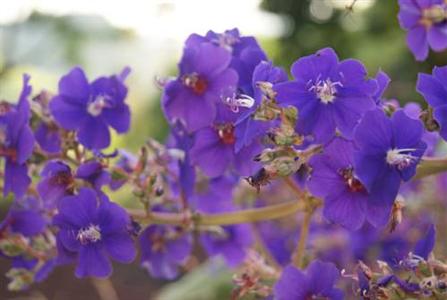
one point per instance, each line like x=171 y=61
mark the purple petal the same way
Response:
x=426 y=244
x=94 y=133
x=417 y=42
x=16 y=179
x=292 y=285
x=92 y=261
x=25 y=144
x=347 y=209
x=118 y=118
x=322 y=276
x=75 y=86
x=434 y=92
x=67 y=114
x=437 y=37
x=323 y=63
x=374 y=133
x=120 y=247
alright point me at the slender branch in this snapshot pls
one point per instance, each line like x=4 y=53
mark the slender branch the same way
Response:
x=431 y=166
x=298 y=255
x=104 y=288
x=242 y=216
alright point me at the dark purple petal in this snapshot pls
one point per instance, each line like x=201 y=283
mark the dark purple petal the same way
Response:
x=25 y=144
x=120 y=247
x=26 y=222
x=94 y=133
x=437 y=37
x=49 y=139
x=432 y=89
x=75 y=86
x=292 y=285
x=67 y=114
x=118 y=118
x=322 y=276
x=93 y=262
x=417 y=42
x=426 y=244
x=16 y=179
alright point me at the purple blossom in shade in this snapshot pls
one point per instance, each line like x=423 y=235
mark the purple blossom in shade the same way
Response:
x=90 y=108
x=346 y=200
x=204 y=75
x=184 y=185
x=16 y=142
x=247 y=128
x=434 y=89
x=426 y=23
x=27 y=222
x=231 y=241
x=164 y=249
x=245 y=52
x=57 y=182
x=426 y=243
x=329 y=94
x=95 y=230
x=317 y=281
x=389 y=150
x=94 y=173
x=48 y=138
x=214 y=148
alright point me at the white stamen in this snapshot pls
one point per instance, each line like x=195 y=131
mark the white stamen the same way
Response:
x=325 y=89
x=96 y=106
x=91 y=234
x=401 y=160
x=234 y=102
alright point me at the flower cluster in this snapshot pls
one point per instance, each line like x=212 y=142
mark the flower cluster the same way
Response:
x=325 y=143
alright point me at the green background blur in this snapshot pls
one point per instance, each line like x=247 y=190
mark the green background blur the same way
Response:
x=46 y=45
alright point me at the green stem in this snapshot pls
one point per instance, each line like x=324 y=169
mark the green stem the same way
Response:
x=237 y=217
x=431 y=166
x=427 y=167
x=298 y=255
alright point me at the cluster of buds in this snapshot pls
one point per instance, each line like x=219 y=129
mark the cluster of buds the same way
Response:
x=254 y=278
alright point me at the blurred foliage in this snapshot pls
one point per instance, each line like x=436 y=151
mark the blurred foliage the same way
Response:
x=370 y=34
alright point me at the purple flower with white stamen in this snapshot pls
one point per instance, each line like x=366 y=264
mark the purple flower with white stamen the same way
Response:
x=204 y=75
x=90 y=108
x=330 y=94
x=346 y=200
x=94 y=230
x=389 y=150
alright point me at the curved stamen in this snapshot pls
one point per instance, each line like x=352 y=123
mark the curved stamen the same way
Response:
x=397 y=157
x=236 y=101
x=325 y=90
x=91 y=234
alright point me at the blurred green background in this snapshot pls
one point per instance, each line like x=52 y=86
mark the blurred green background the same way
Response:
x=45 y=38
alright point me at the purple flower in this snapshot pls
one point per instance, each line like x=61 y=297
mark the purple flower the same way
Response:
x=90 y=108
x=247 y=128
x=25 y=221
x=204 y=76
x=95 y=230
x=317 y=281
x=57 y=182
x=214 y=148
x=329 y=94
x=434 y=89
x=426 y=23
x=164 y=249
x=388 y=152
x=383 y=80
x=16 y=142
x=346 y=200
x=94 y=173
x=48 y=138
x=425 y=245
x=245 y=52
x=231 y=241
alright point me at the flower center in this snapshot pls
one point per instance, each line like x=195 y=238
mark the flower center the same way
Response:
x=62 y=178
x=400 y=159
x=236 y=101
x=96 y=106
x=325 y=90
x=158 y=243
x=5 y=107
x=351 y=181
x=433 y=15
x=195 y=82
x=91 y=234
x=226 y=134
